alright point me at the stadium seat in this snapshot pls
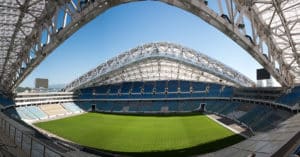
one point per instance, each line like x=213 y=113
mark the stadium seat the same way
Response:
x=290 y=98
x=173 y=86
x=160 y=86
x=184 y=86
x=71 y=107
x=37 y=112
x=156 y=90
x=5 y=100
x=126 y=87
x=136 y=87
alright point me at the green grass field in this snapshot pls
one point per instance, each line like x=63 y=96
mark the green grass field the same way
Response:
x=190 y=134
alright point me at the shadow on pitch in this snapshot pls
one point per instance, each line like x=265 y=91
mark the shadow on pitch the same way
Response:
x=199 y=149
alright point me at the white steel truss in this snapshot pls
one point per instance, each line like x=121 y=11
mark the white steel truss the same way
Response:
x=281 y=19
x=32 y=29
x=160 y=61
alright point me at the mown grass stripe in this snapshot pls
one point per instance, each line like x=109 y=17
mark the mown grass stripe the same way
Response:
x=122 y=133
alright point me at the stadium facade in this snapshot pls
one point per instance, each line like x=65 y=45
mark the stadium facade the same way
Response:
x=156 y=77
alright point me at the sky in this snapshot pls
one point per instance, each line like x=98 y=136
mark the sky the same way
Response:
x=129 y=25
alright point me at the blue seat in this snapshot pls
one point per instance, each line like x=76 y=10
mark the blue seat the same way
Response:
x=172 y=95
x=102 y=89
x=126 y=87
x=160 y=86
x=227 y=92
x=172 y=86
x=5 y=100
x=290 y=98
x=185 y=95
x=86 y=106
x=172 y=105
x=198 y=86
x=148 y=87
x=104 y=106
x=185 y=86
x=156 y=90
x=136 y=87
x=114 y=88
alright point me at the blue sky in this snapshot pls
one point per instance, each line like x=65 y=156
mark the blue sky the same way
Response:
x=127 y=26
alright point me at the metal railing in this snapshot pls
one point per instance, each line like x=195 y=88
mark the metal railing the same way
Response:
x=24 y=139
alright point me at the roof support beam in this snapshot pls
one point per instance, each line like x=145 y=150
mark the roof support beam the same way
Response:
x=18 y=25
x=232 y=25
x=286 y=29
x=158 y=51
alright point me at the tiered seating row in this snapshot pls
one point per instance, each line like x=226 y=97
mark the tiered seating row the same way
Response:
x=53 y=109
x=33 y=113
x=37 y=111
x=71 y=107
x=262 y=93
x=155 y=106
x=156 y=89
x=258 y=117
x=181 y=89
x=290 y=98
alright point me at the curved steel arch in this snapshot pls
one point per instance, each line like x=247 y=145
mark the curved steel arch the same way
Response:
x=39 y=26
x=155 y=56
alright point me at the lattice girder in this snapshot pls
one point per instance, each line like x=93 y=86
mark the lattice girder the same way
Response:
x=37 y=27
x=160 y=61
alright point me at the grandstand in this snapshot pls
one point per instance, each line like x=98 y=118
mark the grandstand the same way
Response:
x=156 y=79
x=257 y=110
x=157 y=89
x=258 y=115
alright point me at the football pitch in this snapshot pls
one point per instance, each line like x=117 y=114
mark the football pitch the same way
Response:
x=133 y=134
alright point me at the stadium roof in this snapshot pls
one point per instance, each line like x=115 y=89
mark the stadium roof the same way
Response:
x=31 y=29
x=283 y=19
x=17 y=22
x=160 y=61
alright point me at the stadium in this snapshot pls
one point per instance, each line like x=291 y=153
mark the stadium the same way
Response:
x=158 y=98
